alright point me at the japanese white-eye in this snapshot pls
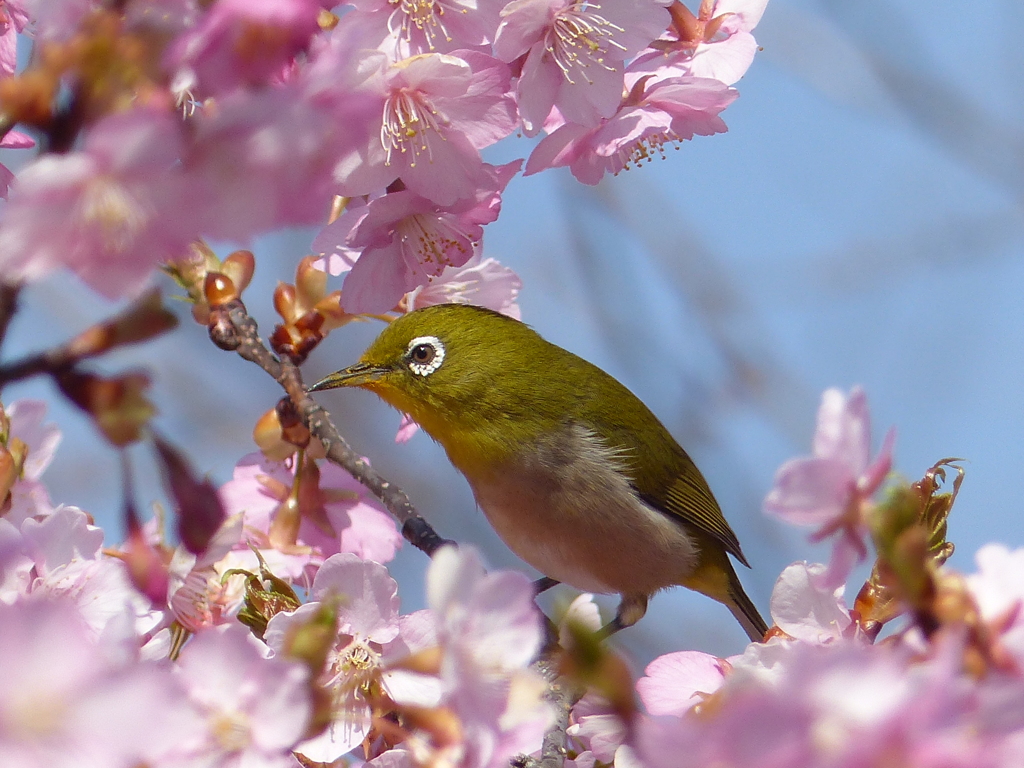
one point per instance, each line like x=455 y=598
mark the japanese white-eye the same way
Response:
x=576 y=475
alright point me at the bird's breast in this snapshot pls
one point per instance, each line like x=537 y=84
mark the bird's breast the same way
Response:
x=566 y=506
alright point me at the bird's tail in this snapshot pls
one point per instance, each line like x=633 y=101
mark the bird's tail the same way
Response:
x=744 y=611
x=716 y=578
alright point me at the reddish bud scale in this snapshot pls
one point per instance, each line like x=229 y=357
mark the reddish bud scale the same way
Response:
x=28 y=98
x=686 y=25
x=219 y=289
x=284 y=530
x=222 y=330
x=284 y=301
x=292 y=429
x=310 y=283
x=200 y=512
x=295 y=341
x=147 y=569
x=143 y=320
x=118 y=405
x=8 y=475
x=240 y=267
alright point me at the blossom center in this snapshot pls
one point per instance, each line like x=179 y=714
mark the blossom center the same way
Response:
x=118 y=214
x=433 y=242
x=645 y=148
x=410 y=124
x=425 y=16
x=579 y=38
x=231 y=729
x=357 y=665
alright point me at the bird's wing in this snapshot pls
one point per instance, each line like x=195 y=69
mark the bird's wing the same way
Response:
x=689 y=498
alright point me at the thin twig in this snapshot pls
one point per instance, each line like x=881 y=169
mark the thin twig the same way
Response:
x=44 y=362
x=416 y=530
x=8 y=303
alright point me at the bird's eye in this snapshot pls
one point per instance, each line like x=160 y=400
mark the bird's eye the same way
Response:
x=422 y=353
x=425 y=355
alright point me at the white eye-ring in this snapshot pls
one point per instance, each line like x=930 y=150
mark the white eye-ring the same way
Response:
x=425 y=355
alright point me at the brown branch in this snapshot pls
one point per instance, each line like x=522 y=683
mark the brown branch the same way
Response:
x=243 y=337
x=8 y=302
x=138 y=322
x=562 y=694
x=248 y=344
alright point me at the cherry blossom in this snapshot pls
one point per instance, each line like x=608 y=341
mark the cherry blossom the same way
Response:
x=652 y=116
x=340 y=518
x=366 y=600
x=69 y=698
x=265 y=160
x=411 y=27
x=574 y=52
x=41 y=438
x=839 y=705
x=676 y=682
x=803 y=609
x=998 y=589
x=438 y=112
x=599 y=730
x=483 y=282
x=58 y=556
x=198 y=595
x=716 y=42
x=110 y=212
x=489 y=630
x=832 y=488
x=14 y=17
x=242 y=43
x=400 y=241
x=255 y=709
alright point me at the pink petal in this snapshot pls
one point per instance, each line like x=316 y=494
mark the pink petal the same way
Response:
x=369 y=596
x=844 y=429
x=377 y=281
x=672 y=683
x=370 y=534
x=810 y=491
x=876 y=472
x=587 y=102
x=406 y=429
x=556 y=150
x=537 y=89
x=847 y=551
x=727 y=60
x=750 y=11
x=803 y=608
x=523 y=23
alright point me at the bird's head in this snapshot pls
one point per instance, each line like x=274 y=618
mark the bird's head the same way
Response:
x=444 y=365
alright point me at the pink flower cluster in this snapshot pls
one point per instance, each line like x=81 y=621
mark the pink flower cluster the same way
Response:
x=95 y=676
x=819 y=693
x=389 y=105
x=97 y=673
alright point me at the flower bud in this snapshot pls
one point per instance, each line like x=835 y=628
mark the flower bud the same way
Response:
x=200 y=512
x=118 y=405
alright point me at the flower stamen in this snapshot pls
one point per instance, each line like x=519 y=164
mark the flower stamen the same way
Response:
x=580 y=37
x=408 y=125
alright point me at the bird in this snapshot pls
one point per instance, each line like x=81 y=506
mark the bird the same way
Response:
x=575 y=474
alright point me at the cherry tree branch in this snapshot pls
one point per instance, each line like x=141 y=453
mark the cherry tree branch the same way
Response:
x=247 y=343
x=243 y=337
x=562 y=695
x=9 y=293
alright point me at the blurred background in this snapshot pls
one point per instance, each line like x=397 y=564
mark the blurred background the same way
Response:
x=861 y=223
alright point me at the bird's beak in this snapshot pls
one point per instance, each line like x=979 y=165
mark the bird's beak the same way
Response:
x=354 y=376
